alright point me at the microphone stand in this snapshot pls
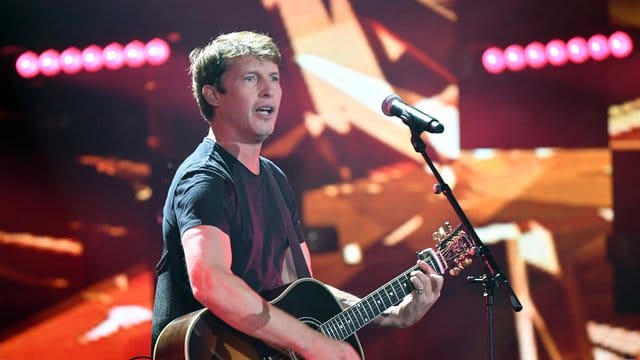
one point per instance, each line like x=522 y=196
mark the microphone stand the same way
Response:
x=495 y=277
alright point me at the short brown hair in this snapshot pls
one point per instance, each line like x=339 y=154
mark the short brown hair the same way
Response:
x=208 y=63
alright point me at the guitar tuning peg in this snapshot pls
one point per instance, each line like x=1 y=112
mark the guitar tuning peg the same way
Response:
x=456 y=270
x=436 y=236
x=467 y=261
x=448 y=227
x=443 y=232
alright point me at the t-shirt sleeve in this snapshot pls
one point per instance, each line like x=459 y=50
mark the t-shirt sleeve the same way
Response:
x=204 y=198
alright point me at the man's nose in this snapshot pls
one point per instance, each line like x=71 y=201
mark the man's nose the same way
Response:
x=268 y=89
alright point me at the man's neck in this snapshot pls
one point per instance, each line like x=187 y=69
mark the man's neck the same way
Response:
x=247 y=154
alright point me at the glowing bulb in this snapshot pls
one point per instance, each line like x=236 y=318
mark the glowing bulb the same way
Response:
x=598 y=46
x=493 y=60
x=514 y=58
x=27 y=65
x=71 y=60
x=113 y=56
x=92 y=58
x=620 y=44
x=134 y=54
x=157 y=51
x=556 y=52
x=577 y=50
x=535 y=55
x=49 y=62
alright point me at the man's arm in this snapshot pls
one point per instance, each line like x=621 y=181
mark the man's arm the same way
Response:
x=208 y=257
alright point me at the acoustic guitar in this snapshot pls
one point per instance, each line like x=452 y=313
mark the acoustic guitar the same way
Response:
x=199 y=335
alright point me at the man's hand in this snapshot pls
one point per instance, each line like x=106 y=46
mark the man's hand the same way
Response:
x=427 y=286
x=325 y=348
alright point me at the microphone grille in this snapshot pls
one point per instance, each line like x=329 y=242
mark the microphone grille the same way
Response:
x=387 y=104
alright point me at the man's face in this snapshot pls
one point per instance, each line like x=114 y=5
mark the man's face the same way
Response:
x=249 y=107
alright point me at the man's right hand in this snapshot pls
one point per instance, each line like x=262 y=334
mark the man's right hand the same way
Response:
x=325 y=348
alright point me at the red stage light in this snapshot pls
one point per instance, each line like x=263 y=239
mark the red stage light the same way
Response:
x=493 y=60
x=514 y=58
x=27 y=65
x=113 y=56
x=49 y=62
x=577 y=50
x=92 y=58
x=157 y=51
x=134 y=54
x=556 y=52
x=598 y=47
x=620 y=44
x=71 y=60
x=534 y=54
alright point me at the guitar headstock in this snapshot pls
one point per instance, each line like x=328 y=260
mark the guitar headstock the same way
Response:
x=454 y=249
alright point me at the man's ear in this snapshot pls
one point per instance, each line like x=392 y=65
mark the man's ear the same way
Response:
x=211 y=95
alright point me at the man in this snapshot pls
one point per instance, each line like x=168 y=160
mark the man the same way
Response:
x=225 y=239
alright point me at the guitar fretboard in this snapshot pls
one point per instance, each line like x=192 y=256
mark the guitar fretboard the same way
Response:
x=355 y=317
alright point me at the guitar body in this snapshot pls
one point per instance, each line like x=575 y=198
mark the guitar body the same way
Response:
x=200 y=335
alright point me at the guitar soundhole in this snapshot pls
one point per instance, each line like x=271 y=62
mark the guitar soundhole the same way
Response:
x=313 y=323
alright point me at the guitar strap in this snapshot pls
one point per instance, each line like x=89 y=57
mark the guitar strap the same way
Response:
x=296 y=251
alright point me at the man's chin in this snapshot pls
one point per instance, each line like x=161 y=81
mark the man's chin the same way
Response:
x=261 y=138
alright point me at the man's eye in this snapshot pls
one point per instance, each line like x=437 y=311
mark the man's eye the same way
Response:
x=250 y=78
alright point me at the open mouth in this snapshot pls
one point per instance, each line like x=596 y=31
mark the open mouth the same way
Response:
x=266 y=110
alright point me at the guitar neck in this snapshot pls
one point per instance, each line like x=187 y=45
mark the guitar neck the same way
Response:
x=355 y=317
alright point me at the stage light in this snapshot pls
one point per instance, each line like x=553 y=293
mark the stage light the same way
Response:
x=71 y=61
x=92 y=58
x=27 y=65
x=49 y=62
x=577 y=50
x=514 y=58
x=534 y=55
x=620 y=44
x=493 y=60
x=113 y=56
x=134 y=54
x=157 y=51
x=556 y=52
x=598 y=47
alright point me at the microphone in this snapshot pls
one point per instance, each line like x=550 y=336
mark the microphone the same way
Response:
x=394 y=106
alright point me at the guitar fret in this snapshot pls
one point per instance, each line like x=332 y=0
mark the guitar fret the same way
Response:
x=372 y=314
x=328 y=329
x=340 y=329
x=344 y=325
x=377 y=302
x=359 y=308
x=352 y=328
x=331 y=332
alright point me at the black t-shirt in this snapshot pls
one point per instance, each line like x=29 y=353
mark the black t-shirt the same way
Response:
x=211 y=187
